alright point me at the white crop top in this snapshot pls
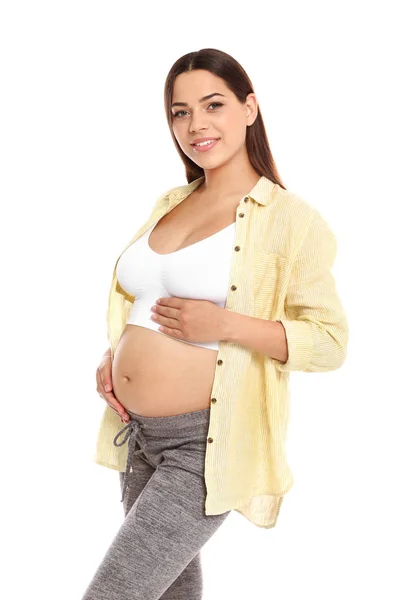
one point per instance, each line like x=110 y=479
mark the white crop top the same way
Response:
x=200 y=271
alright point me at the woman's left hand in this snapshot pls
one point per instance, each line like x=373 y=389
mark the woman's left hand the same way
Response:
x=190 y=320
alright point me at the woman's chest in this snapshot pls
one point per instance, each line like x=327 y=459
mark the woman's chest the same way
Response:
x=183 y=227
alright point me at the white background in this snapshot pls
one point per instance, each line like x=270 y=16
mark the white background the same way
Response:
x=83 y=138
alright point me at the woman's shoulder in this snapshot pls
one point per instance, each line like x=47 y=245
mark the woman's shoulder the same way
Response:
x=302 y=211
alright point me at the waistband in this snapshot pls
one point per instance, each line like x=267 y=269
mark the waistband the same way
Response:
x=172 y=422
x=133 y=431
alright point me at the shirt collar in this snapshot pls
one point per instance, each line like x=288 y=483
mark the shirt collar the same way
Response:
x=261 y=192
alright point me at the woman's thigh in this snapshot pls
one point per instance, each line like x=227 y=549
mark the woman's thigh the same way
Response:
x=189 y=584
x=161 y=535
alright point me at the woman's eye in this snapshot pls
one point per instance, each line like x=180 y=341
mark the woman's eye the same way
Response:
x=212 y=104
x=215 y=104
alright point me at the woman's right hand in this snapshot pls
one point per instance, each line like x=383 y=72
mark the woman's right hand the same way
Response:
x=104 y=386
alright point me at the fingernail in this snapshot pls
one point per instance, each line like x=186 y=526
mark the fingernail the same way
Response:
x=107 y=387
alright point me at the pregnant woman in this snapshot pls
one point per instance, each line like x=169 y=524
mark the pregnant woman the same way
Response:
x=196 y=384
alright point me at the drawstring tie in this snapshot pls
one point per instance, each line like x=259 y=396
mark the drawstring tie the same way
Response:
x=135 y=428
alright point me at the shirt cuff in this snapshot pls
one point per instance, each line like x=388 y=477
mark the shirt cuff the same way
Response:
x=300 y=346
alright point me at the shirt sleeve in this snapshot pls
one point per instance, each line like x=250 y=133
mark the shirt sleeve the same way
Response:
x=316 y=326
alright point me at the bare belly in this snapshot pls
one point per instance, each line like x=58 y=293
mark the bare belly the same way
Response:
x=155 y=375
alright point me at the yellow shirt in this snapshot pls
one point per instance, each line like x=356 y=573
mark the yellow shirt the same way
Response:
x=281 y=271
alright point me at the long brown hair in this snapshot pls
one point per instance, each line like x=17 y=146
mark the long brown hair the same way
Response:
x=227 y=68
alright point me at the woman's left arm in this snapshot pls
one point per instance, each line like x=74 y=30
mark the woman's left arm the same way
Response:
x=317 y=327
x=314 y=336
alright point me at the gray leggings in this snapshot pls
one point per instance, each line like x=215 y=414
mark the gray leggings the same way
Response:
x=156 y=552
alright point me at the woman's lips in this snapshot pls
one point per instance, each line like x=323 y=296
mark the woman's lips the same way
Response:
x=206 y=147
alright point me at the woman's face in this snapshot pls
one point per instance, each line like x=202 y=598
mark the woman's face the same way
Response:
x=220 y=116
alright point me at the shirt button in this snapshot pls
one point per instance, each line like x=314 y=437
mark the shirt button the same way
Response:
x=213 y=400
x=233 y=287
x=246 y=199
x=219 y=361
x=241 y=214
x=210 y=440
x=237 y=248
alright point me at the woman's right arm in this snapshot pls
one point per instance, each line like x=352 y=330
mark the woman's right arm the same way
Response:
x=104 y=386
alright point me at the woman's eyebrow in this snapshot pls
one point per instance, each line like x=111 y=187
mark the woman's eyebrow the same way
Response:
x=200 y=100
